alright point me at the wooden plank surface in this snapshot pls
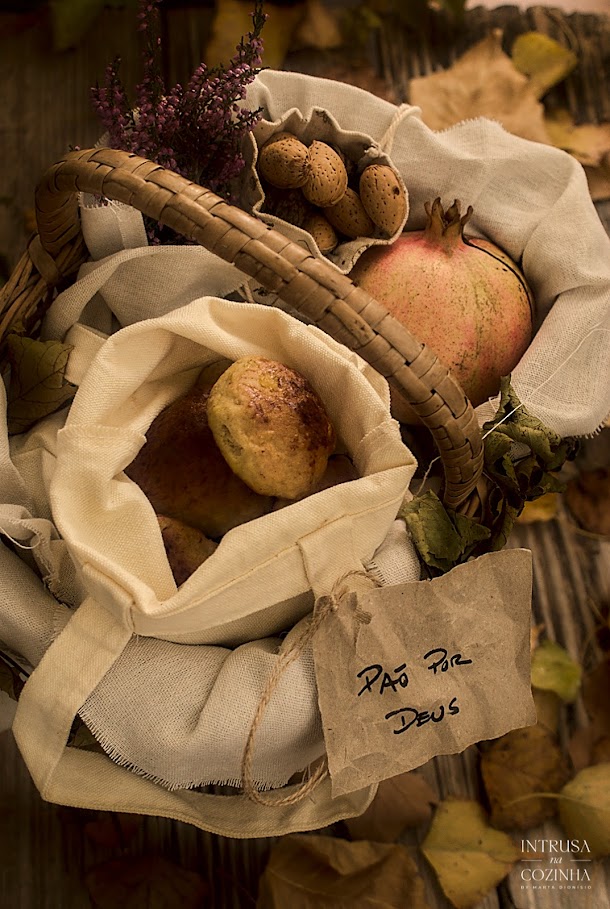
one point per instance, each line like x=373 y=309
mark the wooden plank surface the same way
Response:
x=45 y=853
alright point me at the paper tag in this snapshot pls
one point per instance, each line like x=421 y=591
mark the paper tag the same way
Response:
x=415 y=670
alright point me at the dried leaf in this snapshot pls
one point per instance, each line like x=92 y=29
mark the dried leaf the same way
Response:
x=600 y=753
x=589 y=143
x=553 y=669
x=82 y=737
x=468 y=855
x=37 y=385
x=589 y=745
x=11 y=681
x=324 y=872
x=442 y=537
x=543 y=60
x=482 y=83
x=523 y=762
x=598 y=179
x=319 y=28
x=113 y=829
x=542 y=509
x=234 y=18
x=595 y=690
x=145 y=882
x=588 y=499
x=584 y=808
x=71 y=19
x=401 y=802
x=535 y=632
x=548 y=705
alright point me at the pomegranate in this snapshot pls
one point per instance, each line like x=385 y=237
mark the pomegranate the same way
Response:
x=463 y=297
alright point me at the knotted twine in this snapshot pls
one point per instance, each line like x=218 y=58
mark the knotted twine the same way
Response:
x=323 y=607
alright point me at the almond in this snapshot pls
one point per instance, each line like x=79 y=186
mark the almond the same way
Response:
x=326 y=180
x=383 y=197
x=349 y=217
x=322 y=231
x=283 y=161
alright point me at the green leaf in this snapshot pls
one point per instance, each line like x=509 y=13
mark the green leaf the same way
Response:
x=543 y=59
x=37 y=385
x=442 y=537
x=553 y=669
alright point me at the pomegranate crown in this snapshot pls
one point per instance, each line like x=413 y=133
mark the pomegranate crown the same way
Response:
x=447 y=224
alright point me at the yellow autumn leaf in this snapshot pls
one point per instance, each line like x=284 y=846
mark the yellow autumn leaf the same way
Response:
x=469 y=857
x=543 y=60
x=584 y=809
x=542 y=509
x=483 y=82
x=553 y=669
x=233 y=19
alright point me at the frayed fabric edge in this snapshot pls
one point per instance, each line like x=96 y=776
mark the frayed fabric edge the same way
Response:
x=118 y=758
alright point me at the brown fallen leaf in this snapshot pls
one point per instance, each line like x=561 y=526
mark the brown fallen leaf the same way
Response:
x=403 y=801
x=598 y=179
x=513 y=767
x=590 y=744
x=483 y=82
x=589 y=143
x=112 y=829
x=318 y=29
x=469 y=857
x=600 y=753
x=324 y=872
x=584 y=809
x=543 y=60
x=144 y=882
x=587 y=497
x=535 y=632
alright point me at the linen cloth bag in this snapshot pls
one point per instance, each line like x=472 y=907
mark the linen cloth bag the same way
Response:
x=190 y=727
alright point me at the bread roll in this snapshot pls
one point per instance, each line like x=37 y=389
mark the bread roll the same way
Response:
x=183 y=473
x=271 y=427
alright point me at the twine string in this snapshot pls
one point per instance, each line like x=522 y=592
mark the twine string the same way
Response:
x=401 y=113
x=323 y=606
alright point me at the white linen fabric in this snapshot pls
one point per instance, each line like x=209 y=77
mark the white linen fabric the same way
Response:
x=168 y=679
x=530 y=199
x=214 y=641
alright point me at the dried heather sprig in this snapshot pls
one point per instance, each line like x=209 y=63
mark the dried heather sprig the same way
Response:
x=196 y=131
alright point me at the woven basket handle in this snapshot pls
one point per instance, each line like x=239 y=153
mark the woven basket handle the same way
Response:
x=312 y=286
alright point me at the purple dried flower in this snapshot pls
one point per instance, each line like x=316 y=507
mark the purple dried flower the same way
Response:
x=196 y=131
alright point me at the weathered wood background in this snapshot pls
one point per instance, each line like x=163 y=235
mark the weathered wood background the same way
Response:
x=44 y=108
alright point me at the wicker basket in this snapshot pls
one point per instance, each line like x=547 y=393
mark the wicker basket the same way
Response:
x=313 y=287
